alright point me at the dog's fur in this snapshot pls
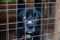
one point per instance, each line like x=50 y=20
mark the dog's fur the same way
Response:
x=30 y=15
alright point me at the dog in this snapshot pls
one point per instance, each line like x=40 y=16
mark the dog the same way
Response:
x=29 y=17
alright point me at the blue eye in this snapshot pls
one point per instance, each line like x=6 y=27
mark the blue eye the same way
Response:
x=24 y=17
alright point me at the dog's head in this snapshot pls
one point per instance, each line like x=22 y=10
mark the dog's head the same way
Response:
x=30 y=17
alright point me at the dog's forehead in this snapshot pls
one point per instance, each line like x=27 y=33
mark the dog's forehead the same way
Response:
x=30 y=13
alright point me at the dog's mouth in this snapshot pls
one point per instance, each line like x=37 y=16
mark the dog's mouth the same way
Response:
x=30 y=28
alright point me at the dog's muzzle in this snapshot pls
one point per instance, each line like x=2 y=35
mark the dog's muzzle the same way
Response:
x=30 y=28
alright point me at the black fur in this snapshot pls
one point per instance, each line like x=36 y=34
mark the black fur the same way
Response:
x=30 y=12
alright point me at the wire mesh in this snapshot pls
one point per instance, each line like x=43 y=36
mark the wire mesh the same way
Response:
x=27 y=19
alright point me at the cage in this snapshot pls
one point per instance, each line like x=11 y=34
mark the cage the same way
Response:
x=29 y=20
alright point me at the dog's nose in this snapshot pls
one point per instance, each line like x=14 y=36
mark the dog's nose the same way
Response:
x=29 y=22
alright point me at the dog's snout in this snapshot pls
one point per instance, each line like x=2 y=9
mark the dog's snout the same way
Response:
x=29 y=22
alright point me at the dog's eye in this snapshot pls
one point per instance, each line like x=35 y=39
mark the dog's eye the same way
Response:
x=24 y=17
